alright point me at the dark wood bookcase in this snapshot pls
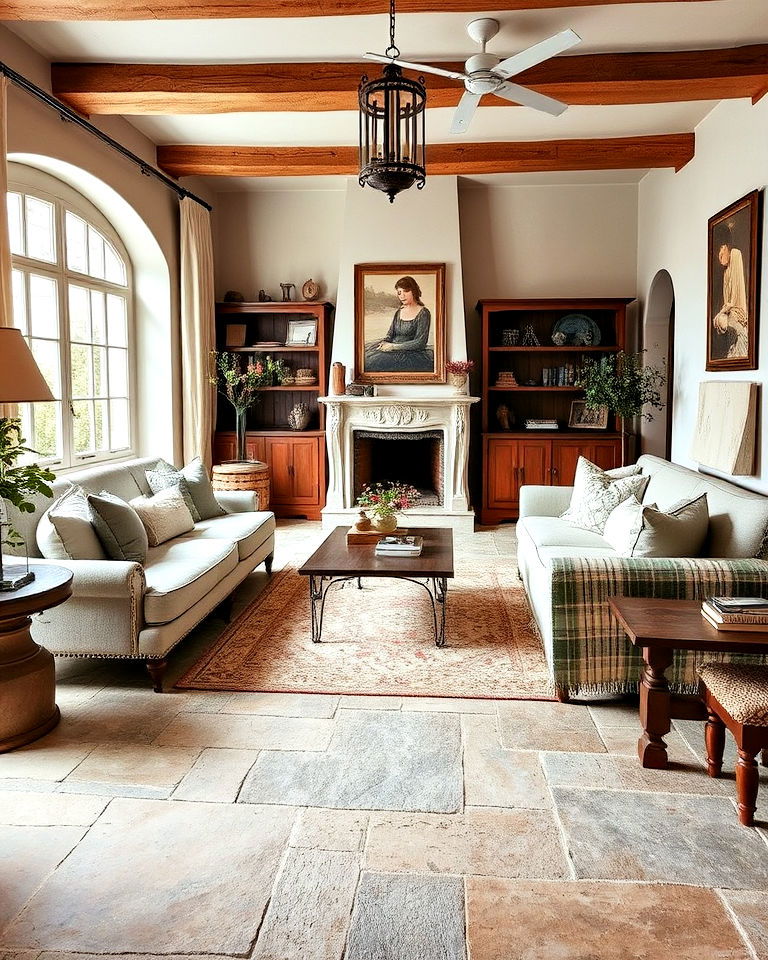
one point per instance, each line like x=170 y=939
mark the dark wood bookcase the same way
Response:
x=296 y=458
x=519 y=456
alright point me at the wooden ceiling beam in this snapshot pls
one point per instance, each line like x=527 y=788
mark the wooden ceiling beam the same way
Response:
x=603 y=78
x=230 y=9
x=622 y=153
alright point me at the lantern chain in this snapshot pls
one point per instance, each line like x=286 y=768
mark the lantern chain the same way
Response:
x=392 y=50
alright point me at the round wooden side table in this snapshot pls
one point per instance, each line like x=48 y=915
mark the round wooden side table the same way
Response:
x=243 y=475
x=27 y=675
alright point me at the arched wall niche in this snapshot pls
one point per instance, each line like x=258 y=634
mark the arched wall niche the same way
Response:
x=658 y=341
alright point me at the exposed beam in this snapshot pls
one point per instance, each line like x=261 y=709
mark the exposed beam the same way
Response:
x=229 y=9
x=623 y=153
x=604 y=78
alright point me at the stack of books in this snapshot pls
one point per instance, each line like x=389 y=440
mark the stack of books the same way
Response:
x=407 y=546
x=531 y=424
x=506 y=378
x=736 y=613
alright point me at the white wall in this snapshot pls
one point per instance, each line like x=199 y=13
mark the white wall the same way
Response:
x=264 y=237
x=731 y=160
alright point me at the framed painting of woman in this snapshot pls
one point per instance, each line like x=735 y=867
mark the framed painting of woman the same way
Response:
x=733 y=285
x=400 y=323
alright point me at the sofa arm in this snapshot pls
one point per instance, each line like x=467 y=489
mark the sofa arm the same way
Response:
x=237 y=501
x=104 y=615
x=544 y=501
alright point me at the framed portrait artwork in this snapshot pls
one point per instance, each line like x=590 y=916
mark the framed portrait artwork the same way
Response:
x=733 y=278
x=400 y=322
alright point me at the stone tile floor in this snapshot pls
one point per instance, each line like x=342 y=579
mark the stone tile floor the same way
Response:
x=278 y=827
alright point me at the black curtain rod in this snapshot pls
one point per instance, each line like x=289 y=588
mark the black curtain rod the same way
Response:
x=66 y=113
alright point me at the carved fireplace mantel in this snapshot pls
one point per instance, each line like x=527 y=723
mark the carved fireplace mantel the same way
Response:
x=449 y=414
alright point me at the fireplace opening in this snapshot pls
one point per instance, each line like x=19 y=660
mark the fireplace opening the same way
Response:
x=415 y=458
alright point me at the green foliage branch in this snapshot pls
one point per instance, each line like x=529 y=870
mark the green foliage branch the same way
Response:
x=19 y=482
x=623 y=383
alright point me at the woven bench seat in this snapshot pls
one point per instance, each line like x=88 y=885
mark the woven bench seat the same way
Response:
x=741 y=689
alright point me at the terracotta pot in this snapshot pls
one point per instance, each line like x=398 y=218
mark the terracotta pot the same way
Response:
x=338 y=379
x=387 y=524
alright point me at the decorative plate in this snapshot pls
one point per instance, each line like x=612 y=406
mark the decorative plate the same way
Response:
x=579 y=329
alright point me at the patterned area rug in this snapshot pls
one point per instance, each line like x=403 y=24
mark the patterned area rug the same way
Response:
x=380 y=640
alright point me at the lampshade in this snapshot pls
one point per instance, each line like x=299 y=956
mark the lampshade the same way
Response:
x=20 y=377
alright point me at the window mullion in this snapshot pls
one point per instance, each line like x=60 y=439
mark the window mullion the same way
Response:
x=67 y=415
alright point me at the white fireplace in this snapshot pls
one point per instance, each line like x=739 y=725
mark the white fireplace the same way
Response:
x=434 y=429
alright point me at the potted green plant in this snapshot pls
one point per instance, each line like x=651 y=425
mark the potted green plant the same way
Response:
x=18 y=482
x=383 y=501
x=624 y=384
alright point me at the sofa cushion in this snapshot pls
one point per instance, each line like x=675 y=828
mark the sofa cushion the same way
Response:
x=642 y=530
x=556 y=532
x=548 y=554
x=197 y=485
x=247 y=530
x=596 y=494
x=181 y=572
x=165 y=516
x=65 y=531
x=118 y=526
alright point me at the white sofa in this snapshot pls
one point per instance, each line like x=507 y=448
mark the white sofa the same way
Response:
x=569 y=573
x=125 y=609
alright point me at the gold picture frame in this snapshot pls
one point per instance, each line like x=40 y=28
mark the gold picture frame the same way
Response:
x=583 y=417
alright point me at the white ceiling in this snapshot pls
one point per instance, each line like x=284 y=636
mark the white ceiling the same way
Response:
x=617 y=27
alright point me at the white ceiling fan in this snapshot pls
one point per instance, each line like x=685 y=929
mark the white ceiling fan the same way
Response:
x=486 y=73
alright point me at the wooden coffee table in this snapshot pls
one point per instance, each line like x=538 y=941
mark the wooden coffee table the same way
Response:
x=335 y=562
x=660 y=627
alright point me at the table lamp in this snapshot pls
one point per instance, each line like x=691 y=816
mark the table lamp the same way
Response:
x=20 y=382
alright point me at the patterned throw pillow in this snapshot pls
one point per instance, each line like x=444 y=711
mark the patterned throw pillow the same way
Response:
x=194 y=483
x=596 y=494
x=165 y=475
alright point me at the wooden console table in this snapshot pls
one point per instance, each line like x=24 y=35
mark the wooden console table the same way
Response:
x=27 y=675
x=660 y=627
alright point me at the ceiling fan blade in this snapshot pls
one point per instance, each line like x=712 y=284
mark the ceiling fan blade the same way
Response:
x=537 y=53
x=419 y=67
x=464 y=112
x=530 y=98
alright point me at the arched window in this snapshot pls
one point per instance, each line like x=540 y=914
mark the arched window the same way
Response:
x=72 y=301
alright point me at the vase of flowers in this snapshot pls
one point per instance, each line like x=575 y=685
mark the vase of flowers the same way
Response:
x=458 y=372
x=241 y=384
x=383 y=501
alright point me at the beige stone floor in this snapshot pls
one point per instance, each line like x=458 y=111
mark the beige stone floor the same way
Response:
x=127 y=831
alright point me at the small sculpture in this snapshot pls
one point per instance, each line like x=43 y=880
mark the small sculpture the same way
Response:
x=311 y=290
x=505 y=416
x=233 y=296
x=529 y=337
x=286 y=288
x=298 y=418
x=363 y=523
x=558 y=338
x=264 y=297
x=510 y=337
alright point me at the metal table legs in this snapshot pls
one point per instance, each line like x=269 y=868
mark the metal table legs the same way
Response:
x=436 y=587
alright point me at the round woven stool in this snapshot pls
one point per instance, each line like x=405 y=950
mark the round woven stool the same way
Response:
x=244 y=475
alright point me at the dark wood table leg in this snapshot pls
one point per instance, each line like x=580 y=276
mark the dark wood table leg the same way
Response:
x=747 y=782
x=655 y=715
x=714 y=737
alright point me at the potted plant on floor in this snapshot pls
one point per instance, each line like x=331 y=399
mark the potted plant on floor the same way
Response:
x=624 y=384
x=383 y=501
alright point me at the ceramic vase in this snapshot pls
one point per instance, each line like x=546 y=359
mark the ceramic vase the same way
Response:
x=458 y=381
x=385 y=524
x=240 y=416
x=338 y=379
x=298 y=418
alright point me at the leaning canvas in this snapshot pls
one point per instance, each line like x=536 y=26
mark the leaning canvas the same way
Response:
x=726 y=426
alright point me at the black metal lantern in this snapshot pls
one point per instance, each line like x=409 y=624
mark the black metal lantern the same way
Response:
x=392 y=139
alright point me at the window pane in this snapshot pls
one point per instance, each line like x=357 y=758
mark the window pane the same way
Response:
x=82 y=380
x=118 y=422
x=46 y=354
x=19 y=300
x=95 y=253
x=116 y=325
x=118 y=373
x=15 y=223
x=101 y=424
x=77 y=243
x=40 y=234
x=45 y=433
x=79 y=314
x=114 y=269
x=100 y=372
x=97 y=317
x=43 y=306
x=83 y=426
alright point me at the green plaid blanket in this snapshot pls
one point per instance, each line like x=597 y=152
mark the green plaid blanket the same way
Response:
x=591 y=653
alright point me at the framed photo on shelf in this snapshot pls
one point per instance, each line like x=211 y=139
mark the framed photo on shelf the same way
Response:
x=400 y=322
x=733 y=280
x=587 y=418
x=302 y=333
x=235 y=336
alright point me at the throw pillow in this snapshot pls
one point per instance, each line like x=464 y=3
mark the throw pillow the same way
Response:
x=197 y=483
x=596 y=495
x=679 y=531
x=65 y=531
x=118 y=527
x=618 y=473
x=623 y=525
x=164 y=476
x=164 y=516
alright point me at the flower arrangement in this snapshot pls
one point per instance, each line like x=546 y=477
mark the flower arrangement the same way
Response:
x=460 y=367
x=384 y=500
x=621 y=382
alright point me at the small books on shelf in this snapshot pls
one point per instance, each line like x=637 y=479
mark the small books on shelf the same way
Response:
x=406 y=546
x=506 y=378
x=531 y=424
x=736 y=613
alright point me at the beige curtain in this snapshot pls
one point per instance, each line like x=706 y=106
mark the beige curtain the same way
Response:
x=6 y=297
x=197 y=330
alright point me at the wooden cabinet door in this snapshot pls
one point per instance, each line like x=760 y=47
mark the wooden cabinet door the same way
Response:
x=305 y=473
x=605 y=454
x=503 y=481
x=535 y=461
x=279 y=455
x=256 y=448
x=223 y=447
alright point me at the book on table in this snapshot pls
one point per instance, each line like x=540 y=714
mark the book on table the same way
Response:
x=735 y=620
x=403 y=546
